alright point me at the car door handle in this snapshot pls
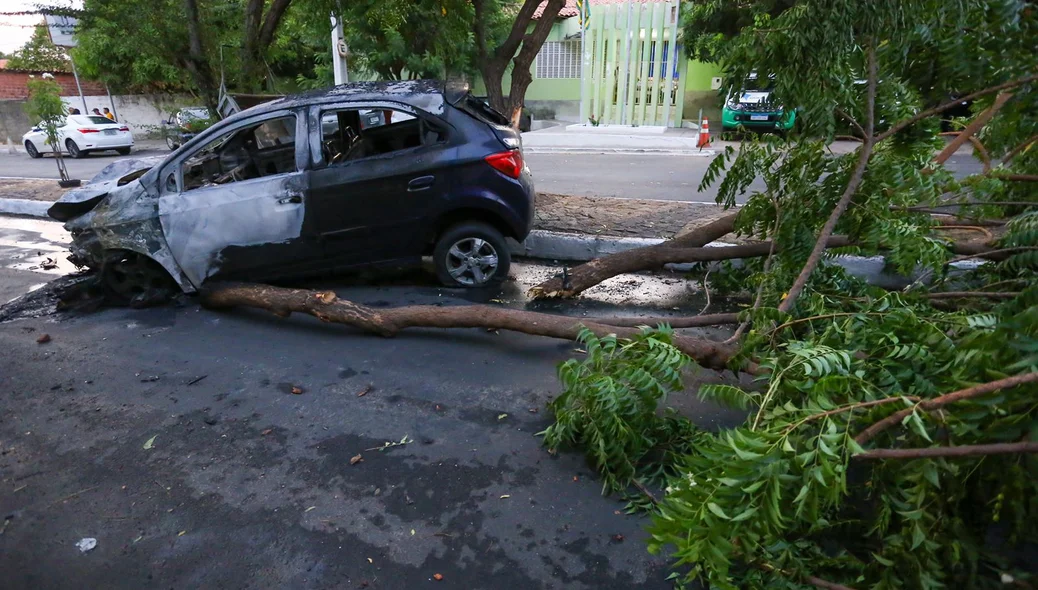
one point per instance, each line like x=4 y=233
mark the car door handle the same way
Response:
x=421 y=183
x=292 y=198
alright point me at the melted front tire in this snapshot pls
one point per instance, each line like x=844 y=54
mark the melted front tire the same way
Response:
x=131 y=279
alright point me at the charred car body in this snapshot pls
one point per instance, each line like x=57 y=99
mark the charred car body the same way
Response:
x=309 y=185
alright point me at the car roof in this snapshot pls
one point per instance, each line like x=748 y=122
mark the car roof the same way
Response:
x=428 y=95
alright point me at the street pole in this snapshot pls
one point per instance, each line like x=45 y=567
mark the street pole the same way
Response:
x=75 y=74
x=339 y=70
x=111 y=102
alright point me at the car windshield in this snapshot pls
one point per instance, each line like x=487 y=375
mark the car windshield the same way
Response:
x=193 y=113
x=90 y=120
x=758 y=84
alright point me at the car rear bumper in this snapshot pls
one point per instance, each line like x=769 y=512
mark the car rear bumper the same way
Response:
x=107 y=142
x=775 y=120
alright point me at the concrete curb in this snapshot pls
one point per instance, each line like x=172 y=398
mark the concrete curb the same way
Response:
x=24 y=207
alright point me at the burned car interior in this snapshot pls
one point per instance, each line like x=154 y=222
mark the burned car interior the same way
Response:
x=353 y=134
x=264 y=149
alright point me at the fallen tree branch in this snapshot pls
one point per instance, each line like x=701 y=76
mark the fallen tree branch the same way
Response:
x=813 y=580
x=951 y=104
x=326 y=306
x=857 y=175
x=1015 y=178
x=969 y=133
x=959 y=451
x=948 y=398
x=696 y=321
x=967 y=294
x=975 y=204
x=593 y=272
x=1023 y=145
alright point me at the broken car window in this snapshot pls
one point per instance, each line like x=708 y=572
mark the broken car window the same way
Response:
x=262 y=149
x=353 y=134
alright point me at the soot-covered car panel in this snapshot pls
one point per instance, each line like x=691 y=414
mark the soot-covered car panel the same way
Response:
x=358 y=174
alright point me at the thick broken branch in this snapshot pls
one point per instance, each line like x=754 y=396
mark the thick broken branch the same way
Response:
x=1020 y=148
x=326 y=306
x=970 y=132
x=696 y=321
x=959 y=451
x=591 y=273
x=948 y=398
x=815 y=258
x=952 y=104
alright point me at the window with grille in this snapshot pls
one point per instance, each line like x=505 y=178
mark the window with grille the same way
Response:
x=559 y=59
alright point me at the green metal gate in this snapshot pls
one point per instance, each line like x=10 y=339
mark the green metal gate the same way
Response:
x=633 y=68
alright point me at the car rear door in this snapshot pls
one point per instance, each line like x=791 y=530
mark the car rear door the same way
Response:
x=367 y=202
x=232 y=206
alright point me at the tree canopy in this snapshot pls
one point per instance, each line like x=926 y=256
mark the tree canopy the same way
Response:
x=39 y=54
x=889 y=432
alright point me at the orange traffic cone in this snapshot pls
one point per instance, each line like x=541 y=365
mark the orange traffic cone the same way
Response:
x=704 y=134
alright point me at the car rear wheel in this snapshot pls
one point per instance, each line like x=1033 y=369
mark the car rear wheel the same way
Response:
x=471 y=255
x=132 y=279
x=171 y=143
x=30 y=149
x=73 y=149
x=124 y=151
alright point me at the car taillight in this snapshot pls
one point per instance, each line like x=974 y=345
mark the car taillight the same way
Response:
x=509 y=163
x=89 y=130
x=124 y=129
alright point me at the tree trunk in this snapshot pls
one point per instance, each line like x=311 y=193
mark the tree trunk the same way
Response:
x=326 y=306
x=196 y=63
x=519 y=49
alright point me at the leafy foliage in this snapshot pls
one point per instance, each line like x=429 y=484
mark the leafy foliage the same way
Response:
x=608 y=407
x=39 y=54
x=785 y=495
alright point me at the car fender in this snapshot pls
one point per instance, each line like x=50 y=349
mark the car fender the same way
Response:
x=485 y=201
x=127 y=218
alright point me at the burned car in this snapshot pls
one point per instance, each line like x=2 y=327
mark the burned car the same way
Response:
x=358 y=174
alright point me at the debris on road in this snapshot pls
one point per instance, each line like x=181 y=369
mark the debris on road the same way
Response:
x=196 y=380
x=438 y=577
x=356 y=459
x=86 y=544
x=388 y=445
x=367 y=389
x=150 y=443
x=297 y=390
x=502 y=416
x=266 y=432
x=43 y=339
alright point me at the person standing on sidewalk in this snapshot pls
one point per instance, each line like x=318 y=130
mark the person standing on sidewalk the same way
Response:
x=109 y=114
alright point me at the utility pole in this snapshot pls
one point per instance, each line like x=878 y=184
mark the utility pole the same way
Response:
x=339 y=53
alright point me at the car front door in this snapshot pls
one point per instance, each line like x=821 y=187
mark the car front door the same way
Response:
x=377 y=173
x=232 y=205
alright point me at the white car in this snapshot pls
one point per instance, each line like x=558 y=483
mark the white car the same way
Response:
x=80 y=135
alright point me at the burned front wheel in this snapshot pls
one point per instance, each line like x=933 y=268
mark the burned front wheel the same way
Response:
x=471 y=255
x=131 y=279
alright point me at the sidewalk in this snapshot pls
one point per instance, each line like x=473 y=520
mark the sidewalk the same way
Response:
x=615 y=139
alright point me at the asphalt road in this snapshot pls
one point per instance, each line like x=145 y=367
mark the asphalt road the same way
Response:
x=171 y=436
x=668 y=178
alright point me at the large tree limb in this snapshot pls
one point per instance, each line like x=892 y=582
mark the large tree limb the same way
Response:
x=593 y=272
x=951 y=104
x=1020 y=148
x=326 y=306
x=969 y=133
x=857 y=175
x=941 y=401
x=959 y=451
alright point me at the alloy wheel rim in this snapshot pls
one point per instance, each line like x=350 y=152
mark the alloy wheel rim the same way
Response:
x=472 y=261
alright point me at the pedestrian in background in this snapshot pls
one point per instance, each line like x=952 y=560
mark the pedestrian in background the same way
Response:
x=109 y=114
x=97 y=112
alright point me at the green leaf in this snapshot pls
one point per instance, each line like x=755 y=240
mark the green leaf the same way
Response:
x=713 y=507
